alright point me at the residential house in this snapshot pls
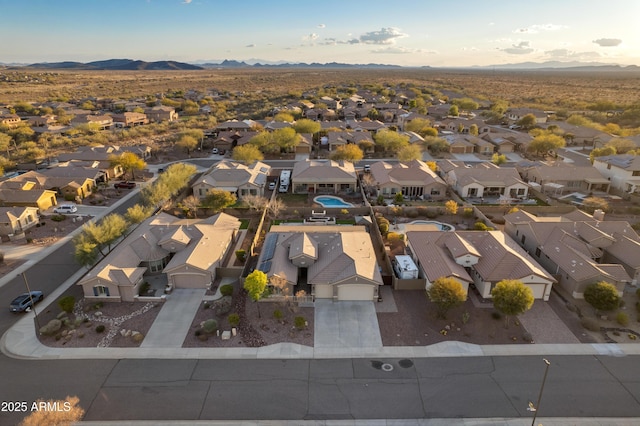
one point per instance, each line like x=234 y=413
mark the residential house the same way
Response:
x=16 y=220
x=316 y=176
x=91 y=154
x=10 y=120
x=102 y=122
x=504 y=143
x=161 y=113
x=337 y=139
x=485 y=180
x=579 y=250
x=413 y=179
x=339 y=262
x=580 y=135
x=305 y=143
x=235 y=126
x=187 y=252
x=460 y=144
x=366 y=126
x=229 y=139
x=42 y=199
x=70 y=183
x=130 y=119
x=559 y=177
x=622 y=170
x=234 y=177
x=42 y=120
x=438 y=112
x=406 y=118
x=515 y=114
x=483 y=258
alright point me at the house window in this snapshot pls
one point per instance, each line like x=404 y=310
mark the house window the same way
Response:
x=520 y=191
x=524 y=237
x=157 y=265
x=635 y=173
x=537 y=251
x=435 y=192
x=100 y=290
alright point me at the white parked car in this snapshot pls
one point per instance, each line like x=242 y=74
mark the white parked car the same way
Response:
x=65 y=208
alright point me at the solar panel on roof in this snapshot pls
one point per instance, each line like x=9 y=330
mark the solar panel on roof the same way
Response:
x=265 y=266
x=269 y=247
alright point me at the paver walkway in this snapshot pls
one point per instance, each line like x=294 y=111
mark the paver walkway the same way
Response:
x=545 y=326
x=174 y=319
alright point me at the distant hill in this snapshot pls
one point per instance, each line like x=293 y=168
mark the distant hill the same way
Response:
x=241 y=64
x=558 y=65
x=117 y=65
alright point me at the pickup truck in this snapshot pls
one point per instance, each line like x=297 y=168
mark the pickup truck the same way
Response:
x=124 y=185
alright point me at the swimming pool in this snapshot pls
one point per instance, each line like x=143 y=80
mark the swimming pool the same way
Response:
x=575 y=198
x=442 y=226
x=330 y=201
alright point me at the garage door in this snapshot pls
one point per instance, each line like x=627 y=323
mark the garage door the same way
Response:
x=190 y=281
x=355 y=292
x=323 y=291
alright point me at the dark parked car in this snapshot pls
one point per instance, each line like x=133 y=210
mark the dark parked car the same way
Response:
x=22 y=302
x=125 y=185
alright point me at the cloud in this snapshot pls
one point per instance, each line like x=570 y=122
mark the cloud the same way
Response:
x=521 y=48
x=321 y=26
x=186 y=1
x=537 y=28
x=607 y=42
x=570 y=54
x=250 y=45
x=310 y=37
x=384 y=36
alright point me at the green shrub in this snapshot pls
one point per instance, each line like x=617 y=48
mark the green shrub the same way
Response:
x=210 y=326
x=198 y=332
x=66 y=303
x=234 y=319
x=144 y=288
x=411 y=213
x=480 y=226
x=344 y=211
x=138 y=338
x=432 y=213
x=58 y=217
x=300 y=322
x=622 y=318
x=69 y=197
x=467 y=212
x=241 y=255
x=100 y=328
x=590 y=324
x=277 y=314
x=496 y=315
x=226 y=290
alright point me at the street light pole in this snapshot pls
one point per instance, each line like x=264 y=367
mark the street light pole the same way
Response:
x=544 y=379
x=33 y=305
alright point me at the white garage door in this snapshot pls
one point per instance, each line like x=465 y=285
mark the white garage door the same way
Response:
x=355 y=292
x=323 y=291
x=190 y=281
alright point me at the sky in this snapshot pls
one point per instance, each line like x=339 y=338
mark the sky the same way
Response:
x=434 y=33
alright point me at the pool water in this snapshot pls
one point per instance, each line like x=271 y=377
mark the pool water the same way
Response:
x=328 y=201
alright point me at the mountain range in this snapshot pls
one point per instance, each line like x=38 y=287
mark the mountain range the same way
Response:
x=136 y=65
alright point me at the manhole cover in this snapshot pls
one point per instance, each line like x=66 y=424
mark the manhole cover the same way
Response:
x=387 y=367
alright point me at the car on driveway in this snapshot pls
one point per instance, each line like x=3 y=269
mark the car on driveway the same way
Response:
x=65 y=208
x=272 y=185
x=23 y=302
x=124 y=185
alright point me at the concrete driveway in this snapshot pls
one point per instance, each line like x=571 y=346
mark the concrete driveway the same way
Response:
x=346 y=325
x=174 y=319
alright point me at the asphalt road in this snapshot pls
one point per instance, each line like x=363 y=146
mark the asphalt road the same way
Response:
x=576 y=386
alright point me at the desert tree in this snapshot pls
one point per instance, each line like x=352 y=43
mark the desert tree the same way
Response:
x=191 y=204
x=304 y=125
x=446 y=293
x=511 y=298
x=247 y=154
x=498 y=159
x=410 y=152
x=275 y=207
x=528 y=121
x=390 y=141
x=255 y=202
x=546 y=142
x=602 y=295
x=451 y=207
x=349 y=152
x=129 y=162
x=217 y=199
x=255 y=284
x=137 y=213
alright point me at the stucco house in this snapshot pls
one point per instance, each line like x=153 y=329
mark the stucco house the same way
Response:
x=16 y=220
x=337 y=139
x=328 y=262
x=485 y=180
x=103 y=122
x=559 y=178
x=579 y=250
x=412 y=179
x=480 y=257
x=323 y=176
x=622 y=170
x=130 y=119
x=234 y=177
x=188 y=252
x=161 y=113
x=42 y=199
x=516 y=114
